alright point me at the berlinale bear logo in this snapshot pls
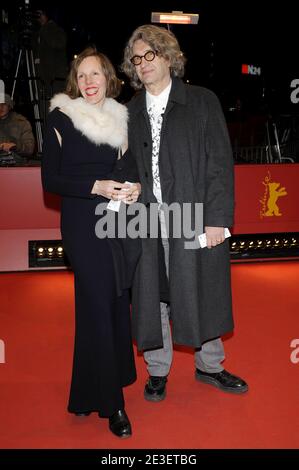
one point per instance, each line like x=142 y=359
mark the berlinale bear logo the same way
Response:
x=274 y=194
x=269 y=200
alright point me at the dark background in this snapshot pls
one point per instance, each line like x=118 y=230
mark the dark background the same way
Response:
x=228 y=34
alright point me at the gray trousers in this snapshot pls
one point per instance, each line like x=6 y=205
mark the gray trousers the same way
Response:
x=208 y=358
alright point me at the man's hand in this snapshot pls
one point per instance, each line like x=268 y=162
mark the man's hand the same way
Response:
x=215 y=236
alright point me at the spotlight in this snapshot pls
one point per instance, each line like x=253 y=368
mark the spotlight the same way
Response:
x=263 y=246
x=47 y=254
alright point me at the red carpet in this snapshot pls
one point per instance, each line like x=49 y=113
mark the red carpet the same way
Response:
x=37 y=330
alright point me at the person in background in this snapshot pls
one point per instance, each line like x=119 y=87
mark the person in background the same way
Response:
x=86 y=130
x=179 y=139
x=15 y=130
x=50 y=54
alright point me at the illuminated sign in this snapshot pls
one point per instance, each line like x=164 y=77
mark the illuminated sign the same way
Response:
x=250 y=70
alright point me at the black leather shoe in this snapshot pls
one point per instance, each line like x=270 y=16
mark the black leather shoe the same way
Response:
x=155 y=388
x=83 y=413
x=223 y=380
x=119 y=424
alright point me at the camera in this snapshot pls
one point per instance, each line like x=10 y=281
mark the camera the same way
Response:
x=28 y=20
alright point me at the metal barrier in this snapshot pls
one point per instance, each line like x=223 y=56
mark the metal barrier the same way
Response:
x=257 y=154
x=285 y=153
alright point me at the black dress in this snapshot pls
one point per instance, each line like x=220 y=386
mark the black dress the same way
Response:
x=103 y=354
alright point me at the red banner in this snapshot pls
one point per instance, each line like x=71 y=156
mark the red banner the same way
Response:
x=267 y=198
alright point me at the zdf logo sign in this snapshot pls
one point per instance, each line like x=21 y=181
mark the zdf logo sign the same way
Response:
x=295 y=354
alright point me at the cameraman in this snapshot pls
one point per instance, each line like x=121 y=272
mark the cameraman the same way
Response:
x=50 y=54
x=15 y=131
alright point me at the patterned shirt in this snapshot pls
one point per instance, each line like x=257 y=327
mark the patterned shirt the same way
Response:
x=156 y=106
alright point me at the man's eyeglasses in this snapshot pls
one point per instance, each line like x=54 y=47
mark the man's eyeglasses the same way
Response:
x=148 y=56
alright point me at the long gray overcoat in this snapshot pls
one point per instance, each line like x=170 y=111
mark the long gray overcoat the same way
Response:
x=195 y=166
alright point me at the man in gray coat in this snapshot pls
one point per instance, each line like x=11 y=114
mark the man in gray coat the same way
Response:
x=178 y=136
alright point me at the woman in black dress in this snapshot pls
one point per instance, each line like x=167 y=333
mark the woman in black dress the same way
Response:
x=86 y=130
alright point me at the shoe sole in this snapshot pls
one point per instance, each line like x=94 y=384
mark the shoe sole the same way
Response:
x=154 y=398
x=124 y=436
x=215 y=383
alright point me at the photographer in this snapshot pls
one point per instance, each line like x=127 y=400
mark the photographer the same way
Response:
x=15 y=130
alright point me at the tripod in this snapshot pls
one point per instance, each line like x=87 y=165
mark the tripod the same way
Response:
x=33 y=89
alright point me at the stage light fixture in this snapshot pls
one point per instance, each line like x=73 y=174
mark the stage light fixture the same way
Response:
x=263 y=246
x=47 y=254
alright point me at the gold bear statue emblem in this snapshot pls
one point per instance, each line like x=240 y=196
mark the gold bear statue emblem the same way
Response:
x=274 y=194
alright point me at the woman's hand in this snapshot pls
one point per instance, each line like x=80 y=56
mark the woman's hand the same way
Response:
x=7 y=146
x=111 y=189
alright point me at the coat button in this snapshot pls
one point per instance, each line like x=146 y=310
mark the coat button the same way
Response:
x=145 y=144
x=146 y=174
x=147 y=204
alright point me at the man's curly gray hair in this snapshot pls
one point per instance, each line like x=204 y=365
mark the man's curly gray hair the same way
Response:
x=161 y=41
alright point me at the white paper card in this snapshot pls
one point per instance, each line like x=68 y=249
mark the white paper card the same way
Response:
x=203 y=238
x=115 y=205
